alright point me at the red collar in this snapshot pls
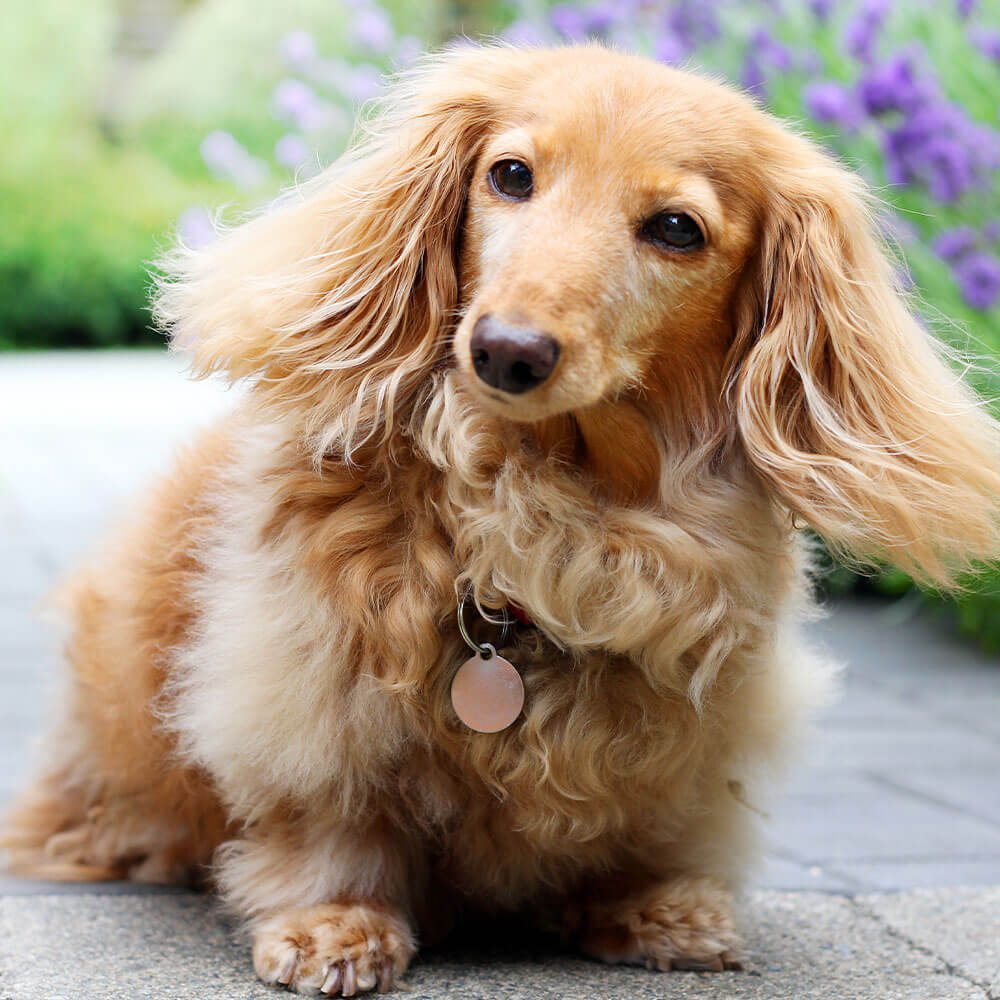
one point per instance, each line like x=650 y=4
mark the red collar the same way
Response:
x=519 y=613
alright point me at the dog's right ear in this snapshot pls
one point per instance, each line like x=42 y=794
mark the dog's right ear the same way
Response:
x=338 y=300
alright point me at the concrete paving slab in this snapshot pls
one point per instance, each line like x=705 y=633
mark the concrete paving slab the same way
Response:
x=782 y=872
x=862 y=705
x=870 y=827
x=973 y=789
x=960 y=926
x=804 y=945
x=920 y=873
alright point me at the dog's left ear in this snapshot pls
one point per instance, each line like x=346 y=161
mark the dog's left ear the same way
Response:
x=337 y=302
x=843 y=402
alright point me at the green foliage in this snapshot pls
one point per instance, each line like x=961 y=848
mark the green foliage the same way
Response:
x=79 y=213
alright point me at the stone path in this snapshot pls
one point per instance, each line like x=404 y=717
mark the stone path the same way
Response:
x=898 y=790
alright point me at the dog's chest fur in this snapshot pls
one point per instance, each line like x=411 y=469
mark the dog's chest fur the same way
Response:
x=320 y=670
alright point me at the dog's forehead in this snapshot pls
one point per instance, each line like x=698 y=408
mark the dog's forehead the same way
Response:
x=627 y=109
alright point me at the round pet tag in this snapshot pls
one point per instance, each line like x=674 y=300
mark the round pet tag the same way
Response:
x=487 y=692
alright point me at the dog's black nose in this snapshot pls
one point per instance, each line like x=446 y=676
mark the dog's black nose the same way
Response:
x=511 y=358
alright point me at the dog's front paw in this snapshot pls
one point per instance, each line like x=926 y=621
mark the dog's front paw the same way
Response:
x=338 y=949
x=686 y=923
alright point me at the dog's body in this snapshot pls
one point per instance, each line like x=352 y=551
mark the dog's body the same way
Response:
x=263 y=663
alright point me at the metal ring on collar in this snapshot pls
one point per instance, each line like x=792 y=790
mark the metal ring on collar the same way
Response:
x=485 y=649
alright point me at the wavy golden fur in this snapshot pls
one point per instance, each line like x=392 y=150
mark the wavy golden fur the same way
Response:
x=262 y=662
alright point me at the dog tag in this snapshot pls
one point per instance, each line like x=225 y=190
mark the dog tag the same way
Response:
x=487 y=692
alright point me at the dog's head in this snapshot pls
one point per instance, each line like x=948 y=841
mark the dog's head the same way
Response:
x=582 y=233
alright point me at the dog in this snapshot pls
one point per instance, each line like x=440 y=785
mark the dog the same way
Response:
x=568 y=340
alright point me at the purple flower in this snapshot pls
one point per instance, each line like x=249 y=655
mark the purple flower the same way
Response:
x=226 y=158
x=568 y=21
x=669 y=49
x=953 y=244
x=525 y=32
x=753 y=77
x=949 y=172
x=764 y=54
x=291 y=151
x=770 y=51
x=364 y=83
x=988 y=42
x=294 y=100
x=195 y=228
x=896 y=85
x=991 y=231
x=601 y=17
x=693 y=22
x=965 y=8
x=298 y=49
x=863 y=30
x=822 y=9
x=979 y=279
x=811 y=63
x=372 y=29
x=950 y=151
x=833 y=104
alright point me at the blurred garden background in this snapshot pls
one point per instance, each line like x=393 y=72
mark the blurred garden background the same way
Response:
x=130 y=122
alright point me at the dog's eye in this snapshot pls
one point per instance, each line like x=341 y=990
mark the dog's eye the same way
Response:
x=673 y=230
x=511 y=179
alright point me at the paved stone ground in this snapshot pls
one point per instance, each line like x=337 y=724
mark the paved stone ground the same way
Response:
x=899 y=789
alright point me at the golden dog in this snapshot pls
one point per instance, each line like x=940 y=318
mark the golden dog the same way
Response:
x=580 y=334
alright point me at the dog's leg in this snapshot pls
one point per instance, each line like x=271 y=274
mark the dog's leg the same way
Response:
x=682 y=923
x=329 y=904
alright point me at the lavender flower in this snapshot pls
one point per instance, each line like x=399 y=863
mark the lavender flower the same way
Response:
x=752 y=75
x=668 y=48
x=770 y=51
x=568 y=21
x=195 y=228
x=292 y=151
x=988 y=42
x=965 y=8
x=694 y=22
x=525 y=32
x=833 y=104
x=938 y=145
x=896 y=85
x=364 y=83
x=600 y=18
x=979 y=280
x=953 y=244
x=295 y=101
x=822 y=9
x=229 y=160
x=372 y=30
x=298 y=50
x=764 y=53
x=863 y=30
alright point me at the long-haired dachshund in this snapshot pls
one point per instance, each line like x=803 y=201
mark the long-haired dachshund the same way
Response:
x=573 y=341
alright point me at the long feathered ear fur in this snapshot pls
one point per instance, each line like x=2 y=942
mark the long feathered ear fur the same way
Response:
x=843 y=401
x=336 y=302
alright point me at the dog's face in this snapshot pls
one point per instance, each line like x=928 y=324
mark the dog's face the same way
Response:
x=604 y=236
x=618 y=256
